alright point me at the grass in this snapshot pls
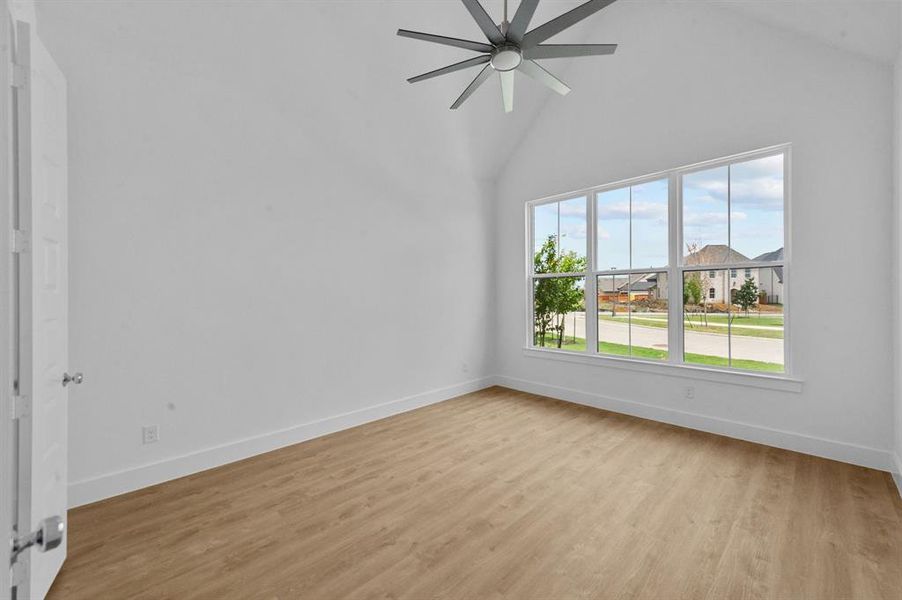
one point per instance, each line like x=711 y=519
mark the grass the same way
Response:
x=696 y=324
x=579 y=345
x=760 y=320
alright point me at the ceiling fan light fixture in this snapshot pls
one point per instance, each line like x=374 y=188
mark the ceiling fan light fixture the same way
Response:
x=511 y=48
x=506 y=58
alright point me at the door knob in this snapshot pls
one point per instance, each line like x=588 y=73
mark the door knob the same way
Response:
x=76 y=379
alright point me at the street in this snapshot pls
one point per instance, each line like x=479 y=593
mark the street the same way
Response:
x=712 y=344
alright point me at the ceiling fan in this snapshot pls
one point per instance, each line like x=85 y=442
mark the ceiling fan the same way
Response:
x=511 y=48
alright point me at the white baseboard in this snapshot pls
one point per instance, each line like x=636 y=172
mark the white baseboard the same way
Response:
x=120 y=482
x=849 y=453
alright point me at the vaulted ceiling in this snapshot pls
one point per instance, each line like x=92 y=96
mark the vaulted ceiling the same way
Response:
x=341 y=61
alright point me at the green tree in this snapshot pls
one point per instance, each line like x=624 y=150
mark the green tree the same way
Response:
x=556 y=296
x=747 y=295
x=692 y=290
x=692 y=294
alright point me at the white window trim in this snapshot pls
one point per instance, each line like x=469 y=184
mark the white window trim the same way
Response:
x=675 y=270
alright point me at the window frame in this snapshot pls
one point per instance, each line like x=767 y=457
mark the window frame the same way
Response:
x=675 y=269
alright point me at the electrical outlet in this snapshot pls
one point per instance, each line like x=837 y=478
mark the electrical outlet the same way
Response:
x=464 y=367
x=150 y=434
x=690 y=392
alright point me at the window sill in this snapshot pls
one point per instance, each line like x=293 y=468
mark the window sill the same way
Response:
x=782 y=383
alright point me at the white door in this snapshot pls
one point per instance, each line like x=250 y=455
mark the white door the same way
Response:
x=43 y=304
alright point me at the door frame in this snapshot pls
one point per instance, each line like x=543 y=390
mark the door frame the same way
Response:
x=8 y=299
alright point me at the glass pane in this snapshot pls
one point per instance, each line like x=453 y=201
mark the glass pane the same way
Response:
x=648 y=212
x=613 y=315
x=734 y=322
x=613 y=216
x=648 y=316
x=706 y=318
x=573 y=230
x=756 y=209
x=756 y=328
x=559 y=313
x=545 y=227
x=705 y=230
x=559 y=236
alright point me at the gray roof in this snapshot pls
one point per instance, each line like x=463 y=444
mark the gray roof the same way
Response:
x=643 y=286
x=611 y=283
x=772 y=256
x=638 y=282
x=715 y=254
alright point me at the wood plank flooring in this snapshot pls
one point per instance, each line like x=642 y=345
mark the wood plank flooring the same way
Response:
x=499 y=494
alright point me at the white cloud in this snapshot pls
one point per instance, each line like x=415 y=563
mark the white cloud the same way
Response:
x=573 y=231
x=572 y=209
x=641 y=210
x=705 y=219
x=614 y=210
x=756 y=185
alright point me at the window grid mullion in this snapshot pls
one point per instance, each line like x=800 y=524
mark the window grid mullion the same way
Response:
x=674 y=273
x=728 y=300
x=591 y=285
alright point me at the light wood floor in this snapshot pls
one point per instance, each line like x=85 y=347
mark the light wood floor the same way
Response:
x=499 y=494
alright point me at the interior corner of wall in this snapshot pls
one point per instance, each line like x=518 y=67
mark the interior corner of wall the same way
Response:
x=23 y=10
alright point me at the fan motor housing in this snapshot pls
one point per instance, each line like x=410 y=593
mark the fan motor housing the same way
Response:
x=506 y=58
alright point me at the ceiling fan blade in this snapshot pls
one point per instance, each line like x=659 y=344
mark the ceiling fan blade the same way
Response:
x=568 y=50
x=507 y=90
x=521 y=20
x=464 y=64
x=447 y=41
x=535 y=71
x=568 y=19
x=480 y=79
x=484 y=21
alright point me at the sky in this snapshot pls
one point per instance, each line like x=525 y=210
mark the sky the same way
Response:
x=632 y=221
x=755 y=214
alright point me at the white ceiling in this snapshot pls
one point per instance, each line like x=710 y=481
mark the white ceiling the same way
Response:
x=343 y=60
x=870 y=28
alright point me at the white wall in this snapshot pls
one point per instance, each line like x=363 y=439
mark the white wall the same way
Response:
x=260 y=239
x=666 y=100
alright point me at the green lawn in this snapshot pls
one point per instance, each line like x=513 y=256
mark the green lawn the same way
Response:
x=579 y=345
x=697 y=324
x=774 y=320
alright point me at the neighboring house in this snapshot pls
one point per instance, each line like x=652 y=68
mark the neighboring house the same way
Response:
x=770 y=281
x=609 y=288
x=617 y=288
x=720 y=285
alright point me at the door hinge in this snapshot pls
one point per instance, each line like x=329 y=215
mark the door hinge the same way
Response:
x=17 y=573
x=47 y=536
x=19 y=407
x=19 y=241
x=18 y=75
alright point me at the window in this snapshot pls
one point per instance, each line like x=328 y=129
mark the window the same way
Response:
x=559 y=265
x=603 y=262
x=631 y=235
